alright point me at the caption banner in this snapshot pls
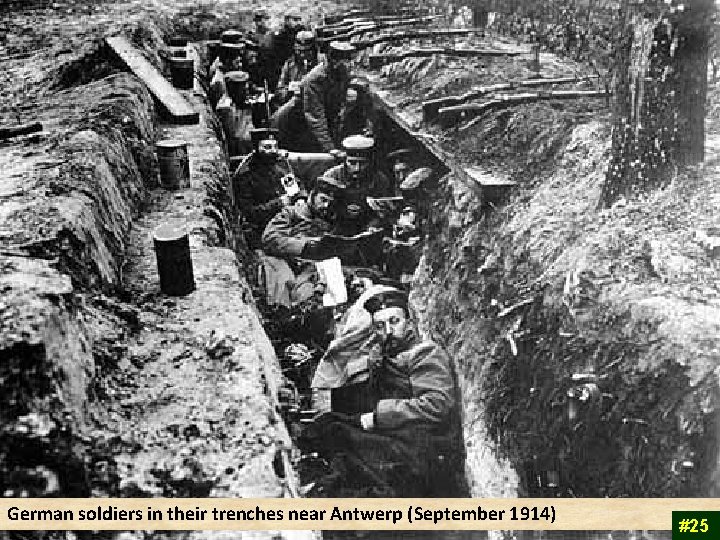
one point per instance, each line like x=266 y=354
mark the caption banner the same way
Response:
x=346 y=514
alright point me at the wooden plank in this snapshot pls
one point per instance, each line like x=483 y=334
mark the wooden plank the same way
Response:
x=487 y=187
x=431 y=107
x=174 y=103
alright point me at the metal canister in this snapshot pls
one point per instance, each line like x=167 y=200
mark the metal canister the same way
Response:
x=172 y=250
x=232 y=36
x=178 y=52
x=213 y=50
x=174 y=163
x=182 y=71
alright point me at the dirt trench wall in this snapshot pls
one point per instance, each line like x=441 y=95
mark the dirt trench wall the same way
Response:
x=63 y=234
x=542 y=300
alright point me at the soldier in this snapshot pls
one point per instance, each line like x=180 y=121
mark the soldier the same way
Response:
x=297 y=66
x=263 y=42
x=260 y=185
x=230 y=59
x=284 y=39
x=253 y=65
x=409 y=442
x=362 y=179
x=323 y=93
x=294 y=234
x=399 y=162
x=357 y=112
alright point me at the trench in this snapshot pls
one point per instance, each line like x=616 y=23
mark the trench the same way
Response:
x=120 y=391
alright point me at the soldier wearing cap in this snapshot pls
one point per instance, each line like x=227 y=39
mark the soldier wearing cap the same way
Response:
x=297 y=66
x=363 y=179
x=323 y=93
x=259 y=185
x=230 y=59
x=285 y=39
x=292 y=235
x=399 y=162
x=357 y=113
x=409 y=437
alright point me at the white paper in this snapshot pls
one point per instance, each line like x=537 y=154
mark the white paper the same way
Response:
x=331 y=274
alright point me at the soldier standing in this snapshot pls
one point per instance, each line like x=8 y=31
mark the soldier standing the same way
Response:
x=323 y=93
x=284 y=39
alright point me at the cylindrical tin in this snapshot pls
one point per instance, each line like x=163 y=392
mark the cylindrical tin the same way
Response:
x=178 y=52
x=172 y=250
x=232 y=36
x=236 y=83
x=174 y=164
x=183 y=73
x=213 y=50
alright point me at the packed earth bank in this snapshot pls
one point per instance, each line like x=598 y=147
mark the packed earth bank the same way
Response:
x=586 y=340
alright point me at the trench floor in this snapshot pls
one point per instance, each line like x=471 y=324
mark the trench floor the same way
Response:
x=187 y=413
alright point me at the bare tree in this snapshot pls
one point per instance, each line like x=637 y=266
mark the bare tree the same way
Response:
x=659 y=90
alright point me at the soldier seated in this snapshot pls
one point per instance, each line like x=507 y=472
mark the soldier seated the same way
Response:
x=399 y=162
x=304 y=59
x=263 y=185
x=291 y=239
x=406 y=441
x=362 y=179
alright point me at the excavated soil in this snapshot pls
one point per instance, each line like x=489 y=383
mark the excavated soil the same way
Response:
x=544 y=300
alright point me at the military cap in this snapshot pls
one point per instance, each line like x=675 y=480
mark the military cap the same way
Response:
x=340 y=49
x=386 y=299
x=416 y=178
x=328 y=184
x=399 y=155
x=262 y=134
x=231 y=36
x=237 y=76
x=231 y=49
x=358 y=145
x=261 y=14
x=305 y=38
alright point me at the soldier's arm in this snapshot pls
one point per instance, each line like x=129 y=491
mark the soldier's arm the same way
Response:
x=277 y=239
x=314 y=110
x=432 y=383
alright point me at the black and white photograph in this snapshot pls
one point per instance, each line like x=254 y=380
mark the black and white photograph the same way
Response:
x=347 y=249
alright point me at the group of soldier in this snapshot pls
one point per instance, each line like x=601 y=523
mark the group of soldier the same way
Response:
x=311 y=187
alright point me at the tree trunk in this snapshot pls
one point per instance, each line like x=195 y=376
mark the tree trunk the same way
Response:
x=659 y=90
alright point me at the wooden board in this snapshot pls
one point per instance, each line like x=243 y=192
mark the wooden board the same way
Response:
x=489 y=187
x=174 y=103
